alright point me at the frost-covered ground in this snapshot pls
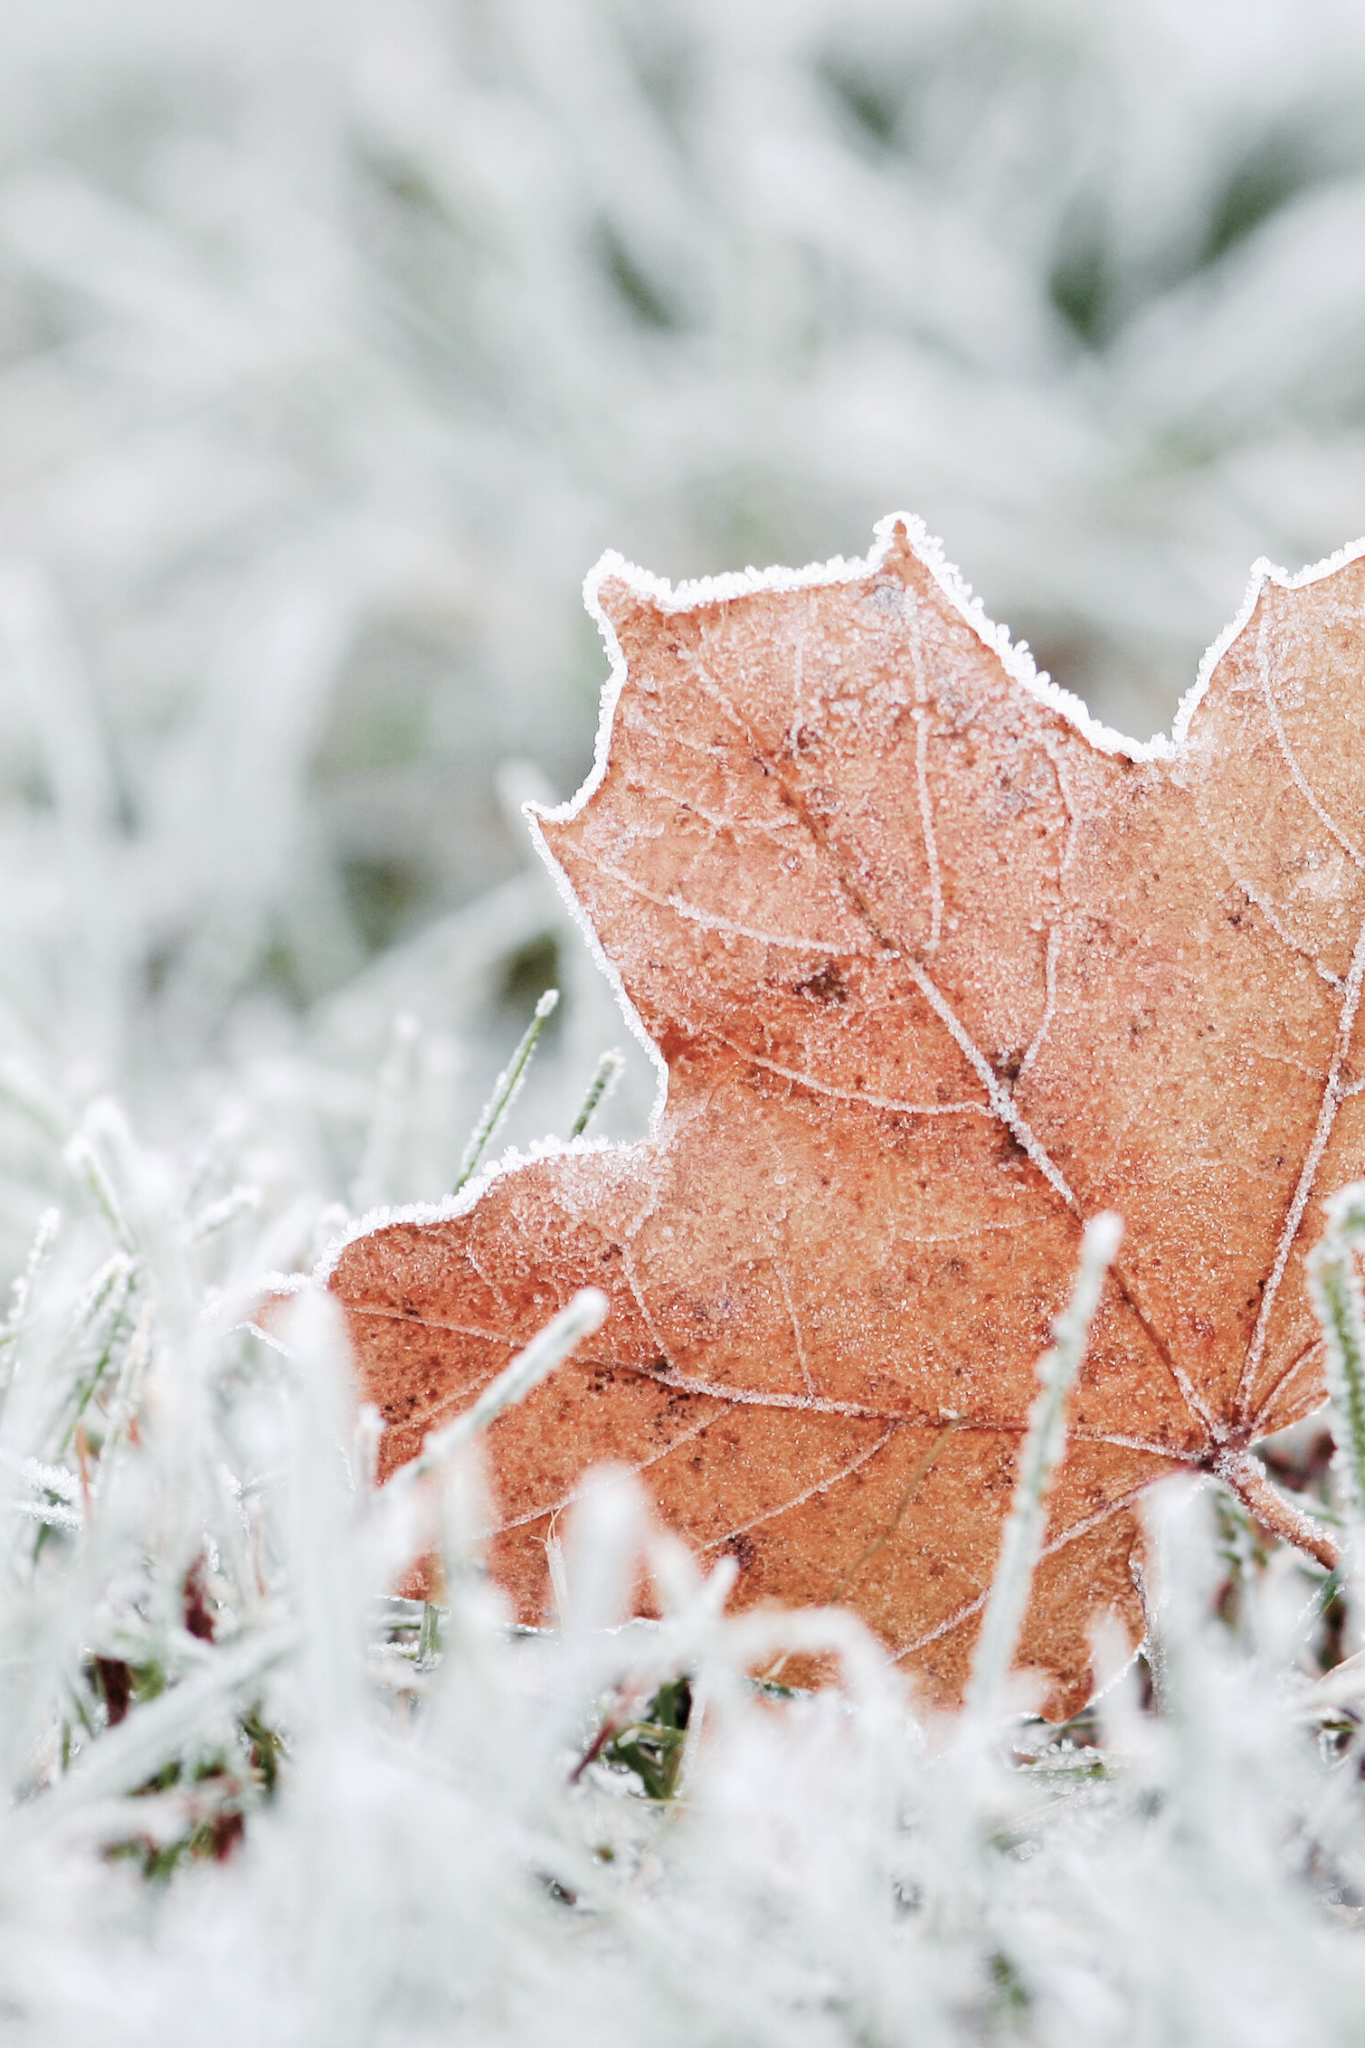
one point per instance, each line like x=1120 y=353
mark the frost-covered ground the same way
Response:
x=336 y=341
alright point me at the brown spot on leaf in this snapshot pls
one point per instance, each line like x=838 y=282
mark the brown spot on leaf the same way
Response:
x=826 y=985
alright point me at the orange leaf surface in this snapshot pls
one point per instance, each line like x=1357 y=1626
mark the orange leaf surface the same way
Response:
x=938 y=969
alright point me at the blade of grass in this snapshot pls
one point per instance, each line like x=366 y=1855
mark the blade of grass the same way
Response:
x=1022 y=1543
x=1334 y=1284
x=599 y=1088
x=505 y=1088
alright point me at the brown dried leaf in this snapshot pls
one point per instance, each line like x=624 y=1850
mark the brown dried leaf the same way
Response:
x=938 y=969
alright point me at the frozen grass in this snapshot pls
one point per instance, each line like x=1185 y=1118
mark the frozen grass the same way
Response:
x=335 y=342
x=251 y=1799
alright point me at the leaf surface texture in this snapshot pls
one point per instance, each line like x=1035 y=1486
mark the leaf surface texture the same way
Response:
x=938 y=972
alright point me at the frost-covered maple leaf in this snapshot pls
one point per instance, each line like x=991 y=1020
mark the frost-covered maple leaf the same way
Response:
x=937 y=969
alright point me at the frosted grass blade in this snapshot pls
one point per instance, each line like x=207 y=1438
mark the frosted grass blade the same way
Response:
x=1334 y=1284
x=505 y=1089
x=1022 y=1543
x=608 y=1073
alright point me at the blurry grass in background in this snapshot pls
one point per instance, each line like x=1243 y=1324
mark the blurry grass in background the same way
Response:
x=336 y=341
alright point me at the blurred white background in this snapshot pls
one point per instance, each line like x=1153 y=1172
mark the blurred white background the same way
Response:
x=336 y=342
